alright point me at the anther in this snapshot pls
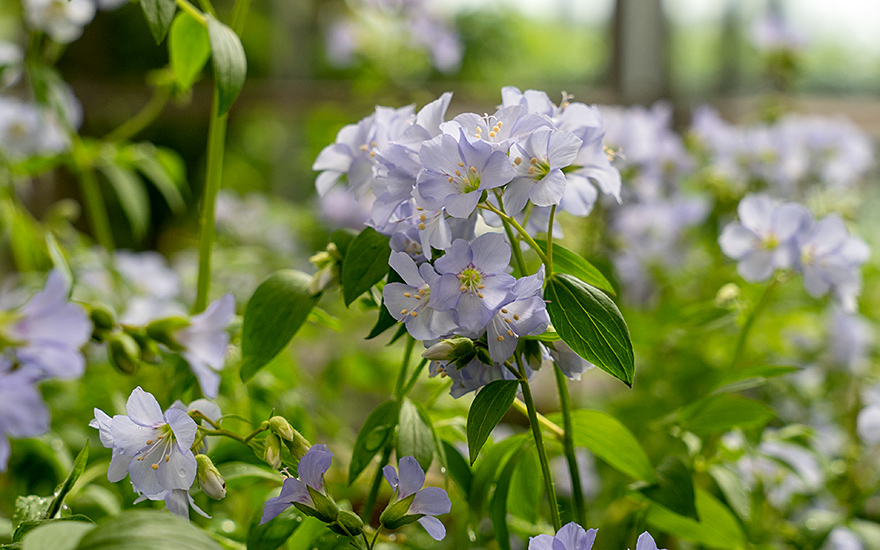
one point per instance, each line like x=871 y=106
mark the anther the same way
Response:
x=421 y=226
x=533 y=161
x=419 y=208
x=509 y=332
x=507 y=319
x=450 y=179
x=407 y=294
x=481 y=287
x=480 y=294
x=404 y=311
x=492 y=134
x=155 y=466
x=504 y=311
x=414 y=313
x=515 y=317
x=463 y=288
x=457 y=173
x=474 y=170
x=364 y=147
x=149 y=442
x=531 y=169
x=500 y=338
x=418 y=297
x=373 y=143
x=422 y=218
x=461 y=164
x=517 y=161
x=167 y=458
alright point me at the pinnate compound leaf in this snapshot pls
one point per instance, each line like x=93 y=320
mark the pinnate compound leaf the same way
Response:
x=274 y=313
x=489 y=407
x=159 y=14
x=365 y=263
x=567 y=261
x=374 y=434
x=188 y=49
x=230 y=63
x=590 y=323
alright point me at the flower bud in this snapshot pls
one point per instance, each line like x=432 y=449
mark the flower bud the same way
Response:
x=281 y=426
x=352 y=523
x=124 y=352
x=102 y=317
x=325 y=508
x=272 y=455
x=210 y=480
x=162 y=331
x=397 y=514
x=299 y=446
x=727 y=294
x=459 y=351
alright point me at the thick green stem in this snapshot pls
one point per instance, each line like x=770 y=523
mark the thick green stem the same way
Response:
x=539 y=443
x=143 y=118
x=580 y=506
x=750 y=321
x=213 y=179
x=95 y=206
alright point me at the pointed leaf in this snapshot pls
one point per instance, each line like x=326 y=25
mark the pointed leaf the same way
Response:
x=79 y=466
x=365 y=263
x=230 y=63
x=159 y=14
x=458 y=468
x=188 y=49
x=147 y=161
x=566 y=261
x=498 y=506
x=374 y=434
x=489 y=407
x=415 y=438
x=674 y=488
x=146 y=530
x=718 y=527
x=133 y=198
x=590 y=323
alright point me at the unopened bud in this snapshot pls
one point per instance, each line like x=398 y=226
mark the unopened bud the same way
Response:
x=397 y=514
x=452 y=350
x=351 y=523
x=325 y=508
x=299 y=446
x=162 y=331
x=124 y=353
x=282 y=427
x=210 y=480
x=727 y=294
x=272 y=455
x=102 y=317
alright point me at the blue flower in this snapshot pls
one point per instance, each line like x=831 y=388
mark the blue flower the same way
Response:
x=646 y=542
x=538 y=161
x=425 y=503
x=472 y=281
x=22 y=411
x=311 y=468
x=47 y=332
x=570 y=537
x=205 y=342
x=525 y=315
x=152 y=447
x=412 y=301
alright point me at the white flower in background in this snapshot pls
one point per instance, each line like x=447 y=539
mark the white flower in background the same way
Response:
x=205 y=342
x=11 y=58
x=63 y=20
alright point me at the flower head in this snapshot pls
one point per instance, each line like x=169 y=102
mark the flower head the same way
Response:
x=205 y=342
x=571 y=537
x=411 y=502
x=307 y=492
x=538 y=161
x=22 y=411
x=413 y=303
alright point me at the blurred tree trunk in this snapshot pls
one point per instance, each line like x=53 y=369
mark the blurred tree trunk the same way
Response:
x=640 y=61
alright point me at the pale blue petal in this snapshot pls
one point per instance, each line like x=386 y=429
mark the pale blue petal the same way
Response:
x=391 y=476
x=490 y=253
x=434 y=527
x=457 y=258
x=516 y=194
x=313 y=465
x=550 y=189
x=405 y=266
x=545 y=542
x=646 y=542
x=143 y=409
x=412 y=477
x=183 y=426
x=736 y=241
x=431 y=501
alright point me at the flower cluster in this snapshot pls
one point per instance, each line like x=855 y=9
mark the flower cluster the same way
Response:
x=38 y=341
x=155 y=449
x=573 y=537
x=771 y=235
x=64 y=20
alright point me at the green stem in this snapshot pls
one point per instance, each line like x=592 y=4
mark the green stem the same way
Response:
x=514 y=242
x=253 y=434
x=375 y=537
x=143 y=118
x=550 y=243
x=539 y=443
x=193 y=11
x=414 y=377
x=95 y=206
x=213 y=179
x=523 y=233
x=750 y=321
x=580 y=507
x=548 y=424
x=224 y=433
x=407 y=357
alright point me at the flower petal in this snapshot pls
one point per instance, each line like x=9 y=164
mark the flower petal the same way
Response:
x=431 y=501
x=143 y=409
x=434 y=527
x=412 y=477
x=313 y=465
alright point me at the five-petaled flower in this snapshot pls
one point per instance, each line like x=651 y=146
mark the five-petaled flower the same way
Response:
x=411 y=502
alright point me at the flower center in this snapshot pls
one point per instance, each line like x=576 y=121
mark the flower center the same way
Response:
x=471 y=280
x=466 y=179
x=771 y=242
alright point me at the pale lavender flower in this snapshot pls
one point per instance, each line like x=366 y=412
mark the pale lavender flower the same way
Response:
x=570 y=537
x=764 y=238
x=413 y=303
x=311 y=468
x=773 y=32
x=851 y=338
x=349 y=158
x=46 y=333
x=570 y=363
x=538 y=161
x=63 y=20
x=868 y=424
x=473 y=281
x=427 y=502
x=842 y=538
x=205 y=343
x=472 y=376
x=501 y=130
x=22 y=411
x=455 y=173
x=525 y=315
x=152 y=448
x=646 y=542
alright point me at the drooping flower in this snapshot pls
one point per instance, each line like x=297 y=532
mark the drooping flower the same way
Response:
x=151 y=447
x=413 y=302
x=411 y=502
x=205 y=343
x=45 y=335
x=570 y=537
x=304 y=492
x=22 y=411
x=764 y=238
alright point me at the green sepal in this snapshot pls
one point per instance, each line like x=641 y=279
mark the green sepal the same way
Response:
x=325 y=509
x=396 y=514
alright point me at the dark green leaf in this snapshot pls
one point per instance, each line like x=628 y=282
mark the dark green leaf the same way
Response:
x=365 y=263
x=133 y=198
x=146 y=530
x=159 y=14
x=343 y=238
x=718 y=527
x=230 y=63
x=28 y=526
x=57 y=535
x=273 y=534
x=79 y=466
x=720 y=413
x=489 y=407
x=566 y=261
x=374 y=434
x=745 y=379
x=611 y=441
x=590 y=323
x=385 y=320
x=414 y=437
x=498 y=506
x=188 y=49
x=274 y=313
x=458 y=468
x=674 y=488
x=146 y=159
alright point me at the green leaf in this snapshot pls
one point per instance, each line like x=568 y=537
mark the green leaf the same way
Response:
x=146 y=157
x=365 y=264
x=230 y=63
x=323 y=318
x=415 y=437
x=304 y=537
x=287 y=460
x=57 y=535
x=274 y=313
x=385 y=319
x=488 y=408
x=232 y=471
x=753 y=377
x=146 y=530
x=498 y=506
x=159 y=14
x=28 y=526
x=488 y=469
x=343 y=238
x=457 y=468
x=611 y=441
x=374 y=434
x=718 y=527
x=79 y=466
x=720 y=413
x=188 y=49
x=590 y=323
x=29 y=508
x=674 y=488
x=272 y=534
x=527 y=487
x=566 y=261
x=133 y=198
